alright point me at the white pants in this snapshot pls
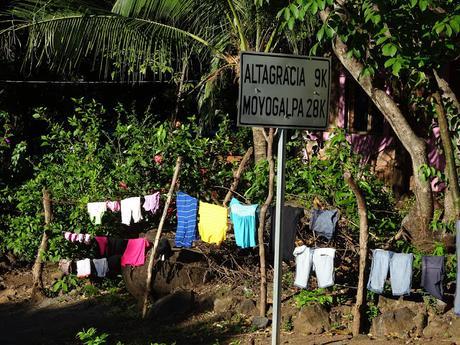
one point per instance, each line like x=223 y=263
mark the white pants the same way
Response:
x=303 y=260
x=323 y=263
x=131 y=207
x=96 y=211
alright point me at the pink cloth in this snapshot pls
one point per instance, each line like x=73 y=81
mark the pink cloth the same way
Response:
x=102 y=243
x=73 y=237
x=67 y=235
x=87 y=238
x=152 y=202
x=134 y=254
x=80 y=238
x=113 y=206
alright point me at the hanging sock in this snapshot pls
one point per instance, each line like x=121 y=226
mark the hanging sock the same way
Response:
x=243 y=218
x=433 y=275
x=83 y=268
x=401 y=273
x=187 y=207
x=303 y=261
x=131 y=207
x=379 y=270
x=152 y=202
x=101 y=266
x=324 y=222
x=96 y=210
x=113 y=206
x=213 y=223
x=323 y=264
x=134 y=254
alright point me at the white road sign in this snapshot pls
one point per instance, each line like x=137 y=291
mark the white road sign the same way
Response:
x=286 y=91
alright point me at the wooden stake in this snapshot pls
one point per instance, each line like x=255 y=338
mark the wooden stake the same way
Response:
x=358 y=309
x=37 y=270
x=237 y=175
x=157 y=239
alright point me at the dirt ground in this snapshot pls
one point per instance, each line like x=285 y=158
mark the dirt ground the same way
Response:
x=57 y=321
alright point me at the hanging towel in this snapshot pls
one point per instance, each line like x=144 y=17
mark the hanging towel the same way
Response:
x=457 y=292
x=101 y=266
x=83 y=268
x=433 y=275
x=96 y=210
x=401 y=273
x=116 y=246
x=134 y=254
x=113 y=206
x=323 y=263
x=379 y=270
x=243 y=218
x=102 y=244
x=152 y=202
x=131 y=207
x=213 y=223
x=187 y=207
x=291 y=217
x=304 y=261
x=324 y=222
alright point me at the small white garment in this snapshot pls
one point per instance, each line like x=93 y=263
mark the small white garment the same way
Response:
x=131 y=207
x=102 y=267
x=303 y=260
x=96 y=210
x=323 y=263
x=83 y=268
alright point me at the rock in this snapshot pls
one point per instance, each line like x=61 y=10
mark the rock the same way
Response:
x=259 y=322
x=223 y=304
x=312 y=319
x=394 y=323
x=454 y=329
x=390 y=304
x=420 y=322
x=436 y=328
x=247 y=307
x=173 y=307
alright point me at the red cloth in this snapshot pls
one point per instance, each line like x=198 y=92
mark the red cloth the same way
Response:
x=134 y=254
x=102 y=243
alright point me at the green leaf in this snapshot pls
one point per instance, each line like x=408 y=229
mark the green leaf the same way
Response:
x=439 y=27
x=320 y=34
x=287 y=14
x=314 y=8
x=413 y=3
x=291 y=23
x=329 y=32
x=423 y=4
x=396 y=68
x=389 y=62
x=382 y=40
x=389 y=49
x=294 y=10
x=454 y=25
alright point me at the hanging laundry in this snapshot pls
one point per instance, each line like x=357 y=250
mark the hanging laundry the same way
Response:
x=213 y=223
x=116 y=246
x=101 y=266
x=67 y=235
x=96 y=210
x=291 y=217
x=83 y=268
x=87 y=239
x=324 y=222
x=187 y=207
x=131 y=207
x=113 y=206
x=304 y=261
x=401 y=273
x=65 y=266
x=73 y=237
x=114 y=264
x=243 y=218
x=457 y=292
x=134 y=254
x=102 y=242
x=379 y=270
x=80 y=238
x=323 y=264
x=433 y=275
x=164 y=251
x=152 y=202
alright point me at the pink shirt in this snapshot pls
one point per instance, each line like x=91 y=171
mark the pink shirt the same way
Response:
x=134 y=254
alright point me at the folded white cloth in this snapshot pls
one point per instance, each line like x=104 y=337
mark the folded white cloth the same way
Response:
x=303 y=260
x=96 y=211
x=131 y=207
x=83 y=268
x=323 y=263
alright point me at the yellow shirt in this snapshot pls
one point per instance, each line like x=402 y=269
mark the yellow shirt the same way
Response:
x=212 y=225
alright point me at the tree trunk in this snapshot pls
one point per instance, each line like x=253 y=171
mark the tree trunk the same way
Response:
x=358 y=310
x=151 y=263
x=411 y=142
x=260 y=144
x=262 y=216
x=237 y=175
x=451 y=169
x=37 y=270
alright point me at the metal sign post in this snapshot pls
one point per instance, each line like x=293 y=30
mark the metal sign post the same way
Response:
x=283 y=91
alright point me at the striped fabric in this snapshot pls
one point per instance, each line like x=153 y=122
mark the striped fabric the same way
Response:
x=187 y=207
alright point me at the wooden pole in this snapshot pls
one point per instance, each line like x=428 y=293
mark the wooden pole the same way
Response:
x=37 y=270
x=358 y=309
x=157 y=238
x=237 y=175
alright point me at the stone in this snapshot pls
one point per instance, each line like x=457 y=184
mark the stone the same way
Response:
x=223 y=304
x=247 y=307
x=259 y=322
x=436 y=328
x=394 y=323
x=420 y=322
x=173 y=307
x=454 y=329
x=312 y=319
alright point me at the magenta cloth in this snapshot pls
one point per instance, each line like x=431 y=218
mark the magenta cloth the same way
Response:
x=113 y=206
x=134 y=254
x=102 y=243
x=152 y=202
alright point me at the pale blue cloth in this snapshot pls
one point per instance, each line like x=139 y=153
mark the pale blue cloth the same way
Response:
x=401 y=273
x=243 y=218
x=379 y=270
x=457 y=293
x=324 y=222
